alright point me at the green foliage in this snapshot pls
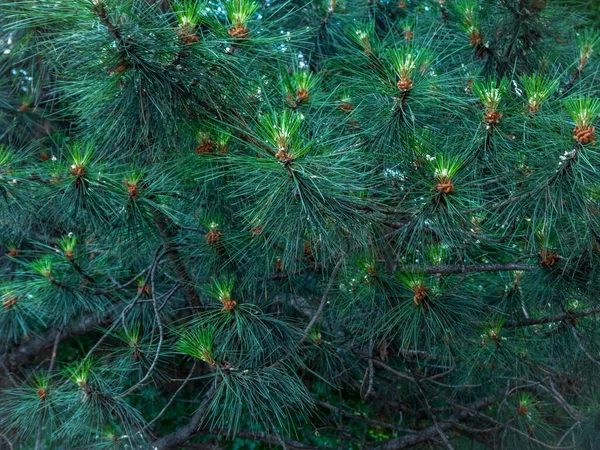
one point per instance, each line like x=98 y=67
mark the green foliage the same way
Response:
x=333 y=224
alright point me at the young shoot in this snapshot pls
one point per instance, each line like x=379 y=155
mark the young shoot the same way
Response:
x=221 y=289
x=67 y=245
x=407 y=29
x=214 y=235
x=583 y=111
x=362 y=35
x=547 y=243
x=416 y=283
x=524 y=404
x=188 y=15
x=302 y=83
x=538 y=89
x=437 y=253
x=9 y=298
x=281 y=131
x=239 y=13
x=491 y=334
x=198 y=343
x=43 y=266
x=80 y=158
x=213 y=138
x=444 y=168
x=132 y=183
x=587 y=44
x=468 y=10
x=406 y=62
x=490 y=95
x=79 y=373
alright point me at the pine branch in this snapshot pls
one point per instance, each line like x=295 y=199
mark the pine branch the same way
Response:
x=100 y=10
x=429 y=433
x=24 y=352
x=552 y=319
x=8 y=441
x=162 y=411
x=274 y=439
x=433 y=416
x=317 y=315
x=446 y=269
x=186 y=432
x=165 y=229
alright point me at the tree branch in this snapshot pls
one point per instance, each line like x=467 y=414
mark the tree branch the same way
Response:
x=317 y=315
x=187 y=431
x=432 y=431
x=446 y=269
x=22 y=353
x=556 y=318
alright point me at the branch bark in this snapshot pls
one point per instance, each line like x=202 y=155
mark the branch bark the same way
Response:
x=446 y=269
x=186 y=432
x=323 y=301
x=433 y=431
x=24 y=352
x=166 y=231
x=556 y=318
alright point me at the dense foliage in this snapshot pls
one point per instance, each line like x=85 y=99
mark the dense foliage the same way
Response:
x=309 y=224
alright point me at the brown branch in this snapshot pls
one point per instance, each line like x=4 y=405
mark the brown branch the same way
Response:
x=162 y=411
x=431 y=432
x=18 y=355
x=359 y=416
x=551 y=319
x=267 y=438
x=186 y=432
x=191 y=296
x=100 y=10
x=317 y=315
x=446 y=269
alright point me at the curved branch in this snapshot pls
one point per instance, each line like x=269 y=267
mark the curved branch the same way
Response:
x=317 y=315
x=187 y=431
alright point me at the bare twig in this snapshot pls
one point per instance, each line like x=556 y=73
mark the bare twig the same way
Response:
x=54 y=351
x=187 y=431
x=162 y=411
x=8 y=442
x=431 y=413
x=429 y=433
x=161 y=336
x=317 y=315
x=8 y=374
x=551 y=319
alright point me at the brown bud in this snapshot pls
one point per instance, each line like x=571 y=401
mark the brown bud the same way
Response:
x=420 y=291
x=257 y=230
x=475 y=37
x=404 y=84
x=238 y=31
x=132 y=189
x=585 y=135
x=445 y=188
x=548 y=258
x=42 y=393
x=8 y=302
x=213 y=236
x=77 y=170
x=492 y=117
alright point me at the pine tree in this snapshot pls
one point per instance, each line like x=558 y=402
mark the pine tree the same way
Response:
x=301 y=224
